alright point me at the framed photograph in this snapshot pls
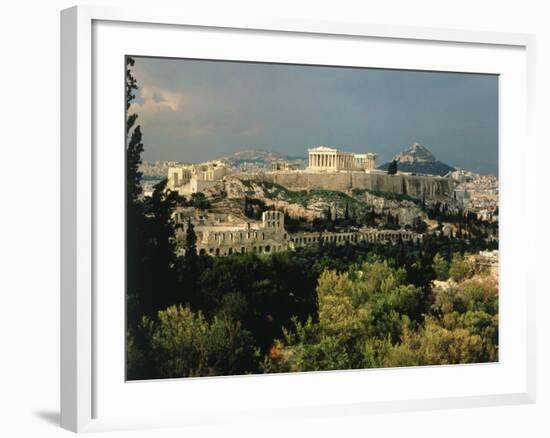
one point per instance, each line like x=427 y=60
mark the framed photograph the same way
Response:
x=284 y=218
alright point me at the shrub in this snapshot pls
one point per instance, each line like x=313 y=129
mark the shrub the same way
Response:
x=184 y=344
x=461 y=267
x=441 y=267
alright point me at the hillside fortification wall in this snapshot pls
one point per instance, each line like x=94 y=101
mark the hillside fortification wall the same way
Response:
x=417 y=186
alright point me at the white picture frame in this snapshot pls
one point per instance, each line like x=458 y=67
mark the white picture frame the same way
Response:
x=82 y=368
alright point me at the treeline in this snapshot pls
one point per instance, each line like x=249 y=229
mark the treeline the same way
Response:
x=197 y=315
x=235 y=313
x=369 y=316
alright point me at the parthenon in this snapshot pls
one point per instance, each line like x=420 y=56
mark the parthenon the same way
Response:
x=330 y=159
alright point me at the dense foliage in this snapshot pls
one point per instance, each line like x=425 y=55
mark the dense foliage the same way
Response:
x=323 y=307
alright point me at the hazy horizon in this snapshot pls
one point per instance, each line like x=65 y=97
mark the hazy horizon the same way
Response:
x=197 y=110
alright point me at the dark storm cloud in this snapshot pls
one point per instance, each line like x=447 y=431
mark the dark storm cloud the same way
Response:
x=199 y=110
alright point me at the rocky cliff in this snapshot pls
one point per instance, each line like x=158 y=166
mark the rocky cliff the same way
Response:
x=228 y=197
x=416 y=186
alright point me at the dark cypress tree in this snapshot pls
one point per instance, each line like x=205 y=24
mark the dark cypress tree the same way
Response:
x=392 y=168
x=328 y=216
x=160 y=261
x=321 y=240
x=137 y=300
x=150 y=247
x=134 y=146
x=190 y=241
x=353 y=216
x=135 y=220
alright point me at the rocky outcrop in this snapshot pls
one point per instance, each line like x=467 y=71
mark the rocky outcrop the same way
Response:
x=228 y=197
x=414 y=154
x=427 y=187
x=406 y=211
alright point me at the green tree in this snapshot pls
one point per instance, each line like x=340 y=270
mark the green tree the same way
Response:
x=461 y=267
x=190 y=240
x=198 y=200
x=183 y=343
x=392 y=168
x=441 y=267
x=159 y=264
x=150 y=234
x=134 y=145
x=135 y=219
x=433 y=344
x=360 y=311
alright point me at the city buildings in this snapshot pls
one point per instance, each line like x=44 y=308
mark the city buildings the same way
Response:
x=193 y=178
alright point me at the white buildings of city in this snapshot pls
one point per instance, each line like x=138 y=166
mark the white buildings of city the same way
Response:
x=478 y=193
x=192 y=178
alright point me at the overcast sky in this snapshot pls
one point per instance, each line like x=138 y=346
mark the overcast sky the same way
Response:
x=199 y=110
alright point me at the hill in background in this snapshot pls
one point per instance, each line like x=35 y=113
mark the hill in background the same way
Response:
x=419 y=159
x=253 y=159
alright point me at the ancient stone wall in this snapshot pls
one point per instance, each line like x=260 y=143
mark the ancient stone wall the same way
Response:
x=413 y=185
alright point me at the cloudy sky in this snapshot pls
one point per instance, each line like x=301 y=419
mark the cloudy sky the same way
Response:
x=192 y=110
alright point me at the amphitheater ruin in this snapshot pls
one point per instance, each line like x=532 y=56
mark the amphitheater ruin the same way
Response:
x=225 y=235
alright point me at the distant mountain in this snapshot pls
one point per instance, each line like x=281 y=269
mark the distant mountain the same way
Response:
x=419 y=159
x=414 y=154
x=259 y=159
